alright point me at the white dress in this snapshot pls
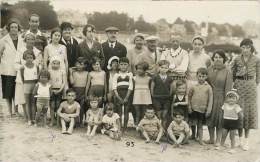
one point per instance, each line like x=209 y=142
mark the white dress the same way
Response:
x=142 y=94
x=57 y=53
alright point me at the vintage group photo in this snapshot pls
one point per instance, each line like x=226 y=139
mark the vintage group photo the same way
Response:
x=129 y=81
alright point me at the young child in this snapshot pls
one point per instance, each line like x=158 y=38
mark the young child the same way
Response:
x=42 y=93
x=29 y=73
x=200 y=103
x=123 y=87
x=78 y=80
x=93 y=116
x=150 y=126
x=232 y=115
x=142 y=94
x=111 y=123
x=178 y=130
x=161 y=90
x=96 y=84
x=68 y=112
x=58 y=81
x=180 y=100
x=113 y=69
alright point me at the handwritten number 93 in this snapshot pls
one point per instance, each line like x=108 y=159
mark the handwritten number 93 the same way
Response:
x=130 y=144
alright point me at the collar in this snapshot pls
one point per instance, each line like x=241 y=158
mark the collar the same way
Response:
x=218 y=67
x=63 y=40
x=113 y=43
x=38 y=32
x=175 y=52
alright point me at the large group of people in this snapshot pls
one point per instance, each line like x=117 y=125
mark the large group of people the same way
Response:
x=171 y=93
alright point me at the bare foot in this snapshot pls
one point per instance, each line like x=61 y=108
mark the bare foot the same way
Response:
x=202 y=143
x=157 y=142
x=147 y=141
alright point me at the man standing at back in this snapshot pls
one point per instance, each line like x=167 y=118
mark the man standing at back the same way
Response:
x=112 y=47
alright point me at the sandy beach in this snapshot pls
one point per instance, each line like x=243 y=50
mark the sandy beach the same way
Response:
x=20 y=142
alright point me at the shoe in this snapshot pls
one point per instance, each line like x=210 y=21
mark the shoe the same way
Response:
x=217 y=148
x=29 y=123
x=246 y=147
x=231 y=151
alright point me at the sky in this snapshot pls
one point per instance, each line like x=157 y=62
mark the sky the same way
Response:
x=234 y=12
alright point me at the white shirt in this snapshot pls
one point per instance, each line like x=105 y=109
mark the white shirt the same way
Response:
x=112 y=44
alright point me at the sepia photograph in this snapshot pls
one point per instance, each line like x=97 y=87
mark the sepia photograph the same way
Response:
x=129 y=81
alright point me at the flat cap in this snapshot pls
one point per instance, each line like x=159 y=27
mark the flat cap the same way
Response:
x=111 y=28
x=151 y=38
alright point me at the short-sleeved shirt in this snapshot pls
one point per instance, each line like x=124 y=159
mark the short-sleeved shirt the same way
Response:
x=69 y=108
x=150 y=125
x=231 y=111
x=111 y=121
x=177 y=129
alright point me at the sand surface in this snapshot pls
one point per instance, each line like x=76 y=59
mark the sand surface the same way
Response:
x=20 y=142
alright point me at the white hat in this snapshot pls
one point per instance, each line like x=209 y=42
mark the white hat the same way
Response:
x=234 y=92
x=110 y=61
x=152 y=38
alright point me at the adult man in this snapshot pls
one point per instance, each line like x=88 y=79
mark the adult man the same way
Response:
x=152 y=55
x=34 y=23
x=70 y=43
x=177 y=57
x=112 y=47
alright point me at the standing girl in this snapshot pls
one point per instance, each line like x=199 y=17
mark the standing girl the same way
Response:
x=231 y=115
x=29 y=73
x=142 y=95
x=96 y=85
x=42 y=91
x=112 y=66
x=56 y=50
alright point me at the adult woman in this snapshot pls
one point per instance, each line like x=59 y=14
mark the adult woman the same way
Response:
x=246 y=72
x=133 y=53
x=19 y=61
x=55 y=50
x=10 y=46
x=220 y=79
x=90 y=48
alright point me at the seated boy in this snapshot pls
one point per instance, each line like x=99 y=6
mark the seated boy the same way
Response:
x=68 y=111
x=111 y=123
x=178 y=131
x=150 y=126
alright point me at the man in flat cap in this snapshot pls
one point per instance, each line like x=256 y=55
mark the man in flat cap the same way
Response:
x=112 y=47
x=70 y=43
x=152 y=55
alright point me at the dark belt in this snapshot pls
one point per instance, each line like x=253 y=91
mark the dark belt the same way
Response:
x=244 y=77
x=178 y=77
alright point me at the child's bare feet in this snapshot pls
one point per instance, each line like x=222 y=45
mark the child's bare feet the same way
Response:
x=29 y=122
x=175 y=145
x=231 y=151
x=147 y=141
x=64 y=132
x=157 y=142
x=202 y=143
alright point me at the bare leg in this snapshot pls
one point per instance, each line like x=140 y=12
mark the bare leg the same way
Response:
x=180 y=139
x=137 y=114
x=25 y=112
x=126 y=116
x=232 y=138
x=164 y=118
x=146 y=136
x=52 y=107
x=211 y=135
x=72 y=123
x=224 y=136
x=159 y=137
x=219 y=135
x=28 y=108
x=200 y=133
x=173 y=138
x=193 y=132
x=88 y=130
x=33 y=107
x=63 y=126
x=94 y=129
x=9 y=105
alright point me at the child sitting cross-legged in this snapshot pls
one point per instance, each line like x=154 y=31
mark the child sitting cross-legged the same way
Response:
x=111 y=123
x=69 y=111
x=94 y=115
x=150 y=126
x=178 y=131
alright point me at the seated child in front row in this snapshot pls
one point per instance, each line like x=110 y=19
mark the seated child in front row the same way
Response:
x=150 y=126
x=42 y=93
x=178 y=130
x=94 y=115
x=69 y=111
x=231 y=117
x=111 y=123
x=200 y=103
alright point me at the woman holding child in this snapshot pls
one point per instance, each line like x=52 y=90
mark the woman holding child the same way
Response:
x=220 y=79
